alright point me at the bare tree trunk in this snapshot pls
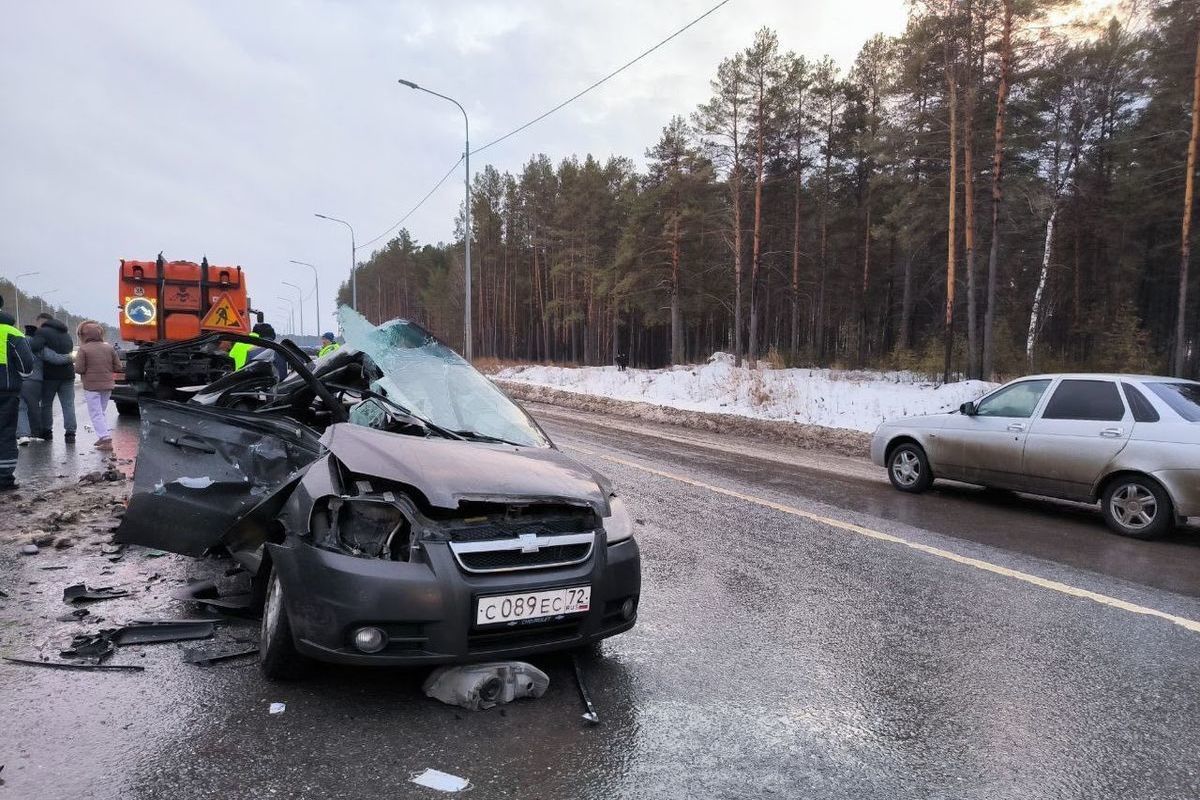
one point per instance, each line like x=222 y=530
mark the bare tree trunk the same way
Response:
x=951 y=240
x=795 y=331
x=968 y=148
x=1185 y=246
x=866 y=281
x=736 y=185
x=1035 y=313
x=676 y=314
x=756 y=246
x=906 y=304
x=989 y=318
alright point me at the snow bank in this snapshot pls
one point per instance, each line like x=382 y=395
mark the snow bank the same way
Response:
x=831 y=398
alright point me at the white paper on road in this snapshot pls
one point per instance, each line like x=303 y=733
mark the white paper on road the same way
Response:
x=277 y=708
x=442 y=781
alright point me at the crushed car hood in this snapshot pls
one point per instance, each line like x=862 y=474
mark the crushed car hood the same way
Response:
x=446 y=471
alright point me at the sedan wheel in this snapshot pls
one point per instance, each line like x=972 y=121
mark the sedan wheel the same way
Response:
x=277 y=651
x=908 y=469
x=1139 y=508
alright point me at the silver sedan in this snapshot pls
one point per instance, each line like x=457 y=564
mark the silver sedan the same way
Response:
x=1131 y=442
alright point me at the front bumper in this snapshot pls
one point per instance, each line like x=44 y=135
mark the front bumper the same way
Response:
x=428 y=609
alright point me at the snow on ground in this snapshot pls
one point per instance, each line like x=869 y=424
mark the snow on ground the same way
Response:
x=831 y=398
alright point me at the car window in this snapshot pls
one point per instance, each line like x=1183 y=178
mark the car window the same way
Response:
x=1183 y=398
x=1142 y=410
x=1016 y=400
x=1097 y=401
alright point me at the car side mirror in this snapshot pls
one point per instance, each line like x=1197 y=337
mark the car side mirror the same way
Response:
x=968 y=409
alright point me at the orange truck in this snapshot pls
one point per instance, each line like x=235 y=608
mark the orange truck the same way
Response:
x=164 y=301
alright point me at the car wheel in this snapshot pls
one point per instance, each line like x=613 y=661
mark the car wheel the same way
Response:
x=908 y=468
x=126 y=408
x=1138 y=507
x=278 y=657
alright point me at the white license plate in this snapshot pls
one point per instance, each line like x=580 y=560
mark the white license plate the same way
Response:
x=533 y=605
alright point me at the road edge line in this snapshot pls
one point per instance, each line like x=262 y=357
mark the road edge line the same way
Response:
x=938 y=552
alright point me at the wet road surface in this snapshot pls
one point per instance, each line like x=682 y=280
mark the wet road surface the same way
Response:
x=45 y=463
x=776 y=655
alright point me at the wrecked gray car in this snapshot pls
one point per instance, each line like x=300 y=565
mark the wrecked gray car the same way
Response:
x=394 y=506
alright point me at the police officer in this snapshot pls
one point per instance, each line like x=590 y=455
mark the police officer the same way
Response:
x=328 y=344
x=16 y=361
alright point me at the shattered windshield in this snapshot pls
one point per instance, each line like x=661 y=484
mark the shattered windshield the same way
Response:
x=427 y=378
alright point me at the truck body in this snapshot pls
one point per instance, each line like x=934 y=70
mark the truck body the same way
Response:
x=164 y=301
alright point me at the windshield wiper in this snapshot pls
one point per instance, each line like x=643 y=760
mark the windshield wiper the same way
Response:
x=476 y=436
x=438 y=429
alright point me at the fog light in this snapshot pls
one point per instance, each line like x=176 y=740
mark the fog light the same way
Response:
x=627 y=608
x=370 y=640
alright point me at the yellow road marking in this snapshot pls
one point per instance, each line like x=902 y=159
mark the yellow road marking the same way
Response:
x=849 y=527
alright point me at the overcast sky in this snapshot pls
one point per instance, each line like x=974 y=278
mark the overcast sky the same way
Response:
x=218 y=129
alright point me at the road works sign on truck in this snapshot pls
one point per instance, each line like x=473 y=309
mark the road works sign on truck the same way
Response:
x=223 y=316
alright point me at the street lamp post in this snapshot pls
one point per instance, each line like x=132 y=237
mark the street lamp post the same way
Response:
x=300 y=296
x=17 y=293
x=291 y=312
x=353 y=260
x=316 y=289
x=467 y=206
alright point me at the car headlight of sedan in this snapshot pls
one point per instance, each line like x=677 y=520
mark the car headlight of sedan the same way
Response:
x=361 y=526
x=618 y=525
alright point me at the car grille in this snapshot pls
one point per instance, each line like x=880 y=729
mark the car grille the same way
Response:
x=495 y=560
x=502 y=529
x=527 y=551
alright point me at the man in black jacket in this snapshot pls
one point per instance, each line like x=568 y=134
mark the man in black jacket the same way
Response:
x=58 y=380
x=16 y=361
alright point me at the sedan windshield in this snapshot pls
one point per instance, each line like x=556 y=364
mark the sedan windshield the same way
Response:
x=428 y=379
x=1183 y=398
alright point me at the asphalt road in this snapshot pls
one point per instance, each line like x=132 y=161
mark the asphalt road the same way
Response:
x=804 y=632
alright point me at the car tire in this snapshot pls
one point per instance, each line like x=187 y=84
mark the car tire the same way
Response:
x=277 y=655
x=908 y=468
x=126 y=408
x=1137 y=507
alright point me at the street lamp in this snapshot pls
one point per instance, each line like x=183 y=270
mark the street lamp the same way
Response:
x=300 y=295
x=353 y=260
x=467 y=188
x=316 y=289
x=291 y=312
x=17 y=293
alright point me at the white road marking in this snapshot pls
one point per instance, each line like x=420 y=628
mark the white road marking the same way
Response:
x=849 y=527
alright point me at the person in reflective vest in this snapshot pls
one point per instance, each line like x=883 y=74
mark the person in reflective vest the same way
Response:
x=239 y=351
x=328 y=344
x=16 y=361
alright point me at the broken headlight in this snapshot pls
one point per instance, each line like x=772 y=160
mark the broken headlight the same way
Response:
x=618 y=525
x=371 y=527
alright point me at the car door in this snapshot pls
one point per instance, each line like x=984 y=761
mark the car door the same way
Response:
x=1079 y=431
x=200 y=471
x=986 y=447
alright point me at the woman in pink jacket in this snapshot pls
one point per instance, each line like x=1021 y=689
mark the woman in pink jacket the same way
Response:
x=96 y=361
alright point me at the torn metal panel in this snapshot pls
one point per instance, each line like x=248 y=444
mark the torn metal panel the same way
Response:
x=447 y=471
x=162 y=631
x=201 y=471
x=206 y=658
x=81 y=592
